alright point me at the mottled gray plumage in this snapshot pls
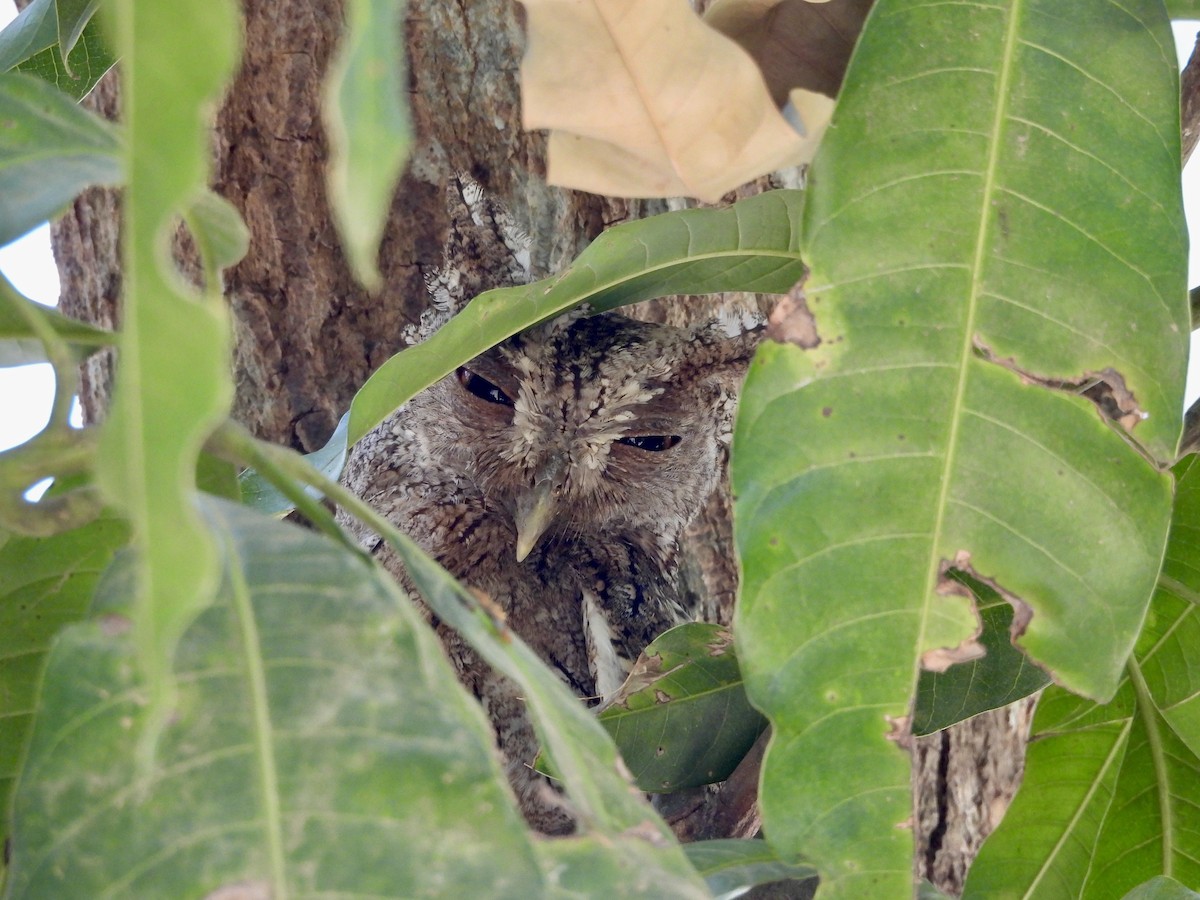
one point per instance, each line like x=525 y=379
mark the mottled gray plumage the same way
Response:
x=556 y=473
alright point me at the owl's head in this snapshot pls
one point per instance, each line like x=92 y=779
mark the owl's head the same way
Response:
x=597 y=425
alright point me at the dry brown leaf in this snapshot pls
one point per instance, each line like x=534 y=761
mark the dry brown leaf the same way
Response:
x=643 y=99
x=796 y=43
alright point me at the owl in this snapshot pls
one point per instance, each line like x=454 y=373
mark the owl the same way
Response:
x=556 y=474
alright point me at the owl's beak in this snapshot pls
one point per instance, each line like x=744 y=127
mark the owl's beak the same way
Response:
x=536 y=509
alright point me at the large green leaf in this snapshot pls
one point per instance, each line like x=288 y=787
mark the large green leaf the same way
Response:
x=1111 y=794
x=50 y=151
x=321 y=745
x=366 y=117
x=752 y=246
x=45 y=583
x=173 y=383
x=682 y=719
x=993 y=223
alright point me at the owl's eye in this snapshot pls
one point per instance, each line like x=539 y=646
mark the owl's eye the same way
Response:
x=653 y=443
x=482 y=388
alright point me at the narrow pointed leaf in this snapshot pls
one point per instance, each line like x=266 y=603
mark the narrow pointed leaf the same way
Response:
x=73 y=16
x=752 y=246
x=18 y=344
x=366 y=118
x=981 y=253
x=173 y=383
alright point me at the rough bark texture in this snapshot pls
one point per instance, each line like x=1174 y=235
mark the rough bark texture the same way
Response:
x=964 y=778
x=308 y=336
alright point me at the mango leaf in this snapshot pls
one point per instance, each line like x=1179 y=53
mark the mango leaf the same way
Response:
x=752 y=246
x=173 y=383
x=258 y=492
x=1183 y=9
x=51 y=151
x=1111 y=795
x=1004 y=675
x=73 y=16
x=45 y=584
x=682 y=719
x=1161 y=888
x=90 y=58
x=366 y=118
x=607 y=77
x=34 y=29
x=19 y=346
x=321 y=744
x=971 y=239
x=731 y=866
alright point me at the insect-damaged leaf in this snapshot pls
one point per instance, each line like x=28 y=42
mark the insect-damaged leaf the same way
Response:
x=981 y=252
x=1003 y=675
x=1111 y=792
x=682 y=718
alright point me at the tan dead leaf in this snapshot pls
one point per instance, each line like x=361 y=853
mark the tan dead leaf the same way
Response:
x=796 y=43
x=643 y=99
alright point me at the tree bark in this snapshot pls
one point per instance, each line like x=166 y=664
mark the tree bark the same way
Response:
x=307 y=336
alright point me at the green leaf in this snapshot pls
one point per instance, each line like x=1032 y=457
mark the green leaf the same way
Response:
x=980 y=253
x=33 y=30
x=88 y=61
x=45 y=584
x=682 y=718
x=1183 y=9
x=1111 y=794
x=218 y=230
x=173 y=383
x=72 y=16
x=51 y=151
x=258 y=492
x=1004 y=675
x=1161 y=888
x=731 y=866
x=366 y=119
x=321 y=745
x=18 y=344
x=752 y=246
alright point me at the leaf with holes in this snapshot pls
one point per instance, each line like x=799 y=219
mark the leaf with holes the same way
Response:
x=998 y=290
x=1001 y=676
x=682 y=719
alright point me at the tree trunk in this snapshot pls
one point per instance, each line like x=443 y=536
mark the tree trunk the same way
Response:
x=307 y=336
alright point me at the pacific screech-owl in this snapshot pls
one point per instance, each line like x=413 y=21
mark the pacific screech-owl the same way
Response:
x=556 y=473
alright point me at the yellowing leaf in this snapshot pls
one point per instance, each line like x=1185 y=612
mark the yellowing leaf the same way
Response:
x=644 y=99
x=796 y=43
